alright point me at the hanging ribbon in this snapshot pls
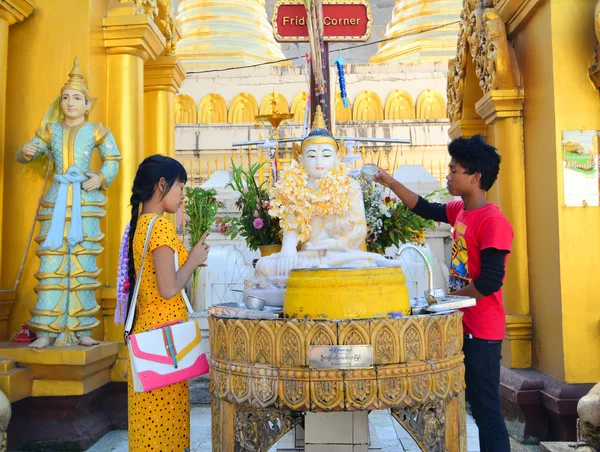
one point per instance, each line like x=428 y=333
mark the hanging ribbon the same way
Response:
x=342 y=78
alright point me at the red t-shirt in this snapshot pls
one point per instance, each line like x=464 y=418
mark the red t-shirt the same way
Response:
x=476 y=230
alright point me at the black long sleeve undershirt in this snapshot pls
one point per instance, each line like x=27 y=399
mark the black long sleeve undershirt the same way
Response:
x=492 y=259
x=431 y=210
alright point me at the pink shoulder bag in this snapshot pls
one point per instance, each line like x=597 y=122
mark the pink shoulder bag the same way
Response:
x=167 y=354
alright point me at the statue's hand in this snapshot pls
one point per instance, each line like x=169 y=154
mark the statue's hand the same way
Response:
x=93 y=183
x=286 y=262
x=29 y=149
x=326 y=244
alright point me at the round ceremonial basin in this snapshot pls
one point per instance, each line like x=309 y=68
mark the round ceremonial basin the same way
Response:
x=345 y=293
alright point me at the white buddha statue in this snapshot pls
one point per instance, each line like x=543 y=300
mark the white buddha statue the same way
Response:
x=321 y=212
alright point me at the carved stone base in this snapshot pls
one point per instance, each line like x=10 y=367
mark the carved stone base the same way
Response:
x=240 y=428
x=436 y=426
x=69 y=422
x=539 y=408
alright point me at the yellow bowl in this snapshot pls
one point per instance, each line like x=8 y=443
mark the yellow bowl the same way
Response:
x=340 y=293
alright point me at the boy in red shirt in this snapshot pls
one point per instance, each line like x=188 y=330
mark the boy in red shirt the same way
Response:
x=482 y=240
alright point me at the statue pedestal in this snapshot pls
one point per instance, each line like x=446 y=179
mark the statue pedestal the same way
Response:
x=64 y=371
x=262 y=379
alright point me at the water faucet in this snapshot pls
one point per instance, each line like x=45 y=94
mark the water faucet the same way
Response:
x=430 y=293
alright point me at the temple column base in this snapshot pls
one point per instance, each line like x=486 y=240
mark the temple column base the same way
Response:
x=539 y=408
x=67 y=422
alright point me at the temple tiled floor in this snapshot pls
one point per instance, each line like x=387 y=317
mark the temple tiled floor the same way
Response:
x=390 y=436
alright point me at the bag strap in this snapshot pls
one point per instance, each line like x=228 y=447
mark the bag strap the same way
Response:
x=183 y=294
x=131 y=312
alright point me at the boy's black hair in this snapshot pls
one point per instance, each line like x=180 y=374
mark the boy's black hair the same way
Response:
x=476 y=156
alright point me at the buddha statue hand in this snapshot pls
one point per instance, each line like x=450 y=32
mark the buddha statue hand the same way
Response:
x=328 y=244
x=287 y=259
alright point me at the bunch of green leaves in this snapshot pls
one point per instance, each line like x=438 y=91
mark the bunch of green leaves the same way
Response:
x=397 y=224
x=201 y=209
x=254 y=205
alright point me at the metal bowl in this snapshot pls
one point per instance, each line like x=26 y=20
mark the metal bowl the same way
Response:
x=254 y=303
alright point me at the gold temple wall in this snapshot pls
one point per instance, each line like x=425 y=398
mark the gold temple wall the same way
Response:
x=542 y=171
x=40 y=56
x=577 y=106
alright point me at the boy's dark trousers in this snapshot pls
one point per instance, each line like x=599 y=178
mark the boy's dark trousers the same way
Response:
x=482 y=377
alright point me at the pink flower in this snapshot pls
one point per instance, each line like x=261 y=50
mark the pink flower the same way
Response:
x=221 y=204
x=266 y=205
x=258 y=223
x=256 y=214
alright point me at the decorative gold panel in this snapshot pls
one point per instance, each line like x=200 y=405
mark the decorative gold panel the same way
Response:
x=386 y=341
x=326 y=390
x=341 y=113
x=367 y=107
x=299 y=107
x=431 y=105
x=266 y=106
x=212 y=109
x=292 y=351
x=293 y=388
x=243 y=108
x=434 y=337
x=360 y=387
x=354 y=333
x=263 y=344
x=412 y=339
x=185 y=109
x=399 y=105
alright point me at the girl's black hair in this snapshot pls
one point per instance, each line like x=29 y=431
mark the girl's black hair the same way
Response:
x=148 y=175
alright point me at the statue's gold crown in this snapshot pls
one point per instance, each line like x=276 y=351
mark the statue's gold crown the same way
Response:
x=319 y=119
x=76 y=81
x=318 y=134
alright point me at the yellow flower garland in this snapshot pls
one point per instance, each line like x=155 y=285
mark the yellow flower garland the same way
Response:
x=295 y=203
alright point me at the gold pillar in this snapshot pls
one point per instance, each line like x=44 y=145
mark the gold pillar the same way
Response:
x=162 y=79
x=131 y=39
x=10 y=14
x=502 y=111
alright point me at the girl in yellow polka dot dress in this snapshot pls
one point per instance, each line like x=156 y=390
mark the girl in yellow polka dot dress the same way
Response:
x=159 y=420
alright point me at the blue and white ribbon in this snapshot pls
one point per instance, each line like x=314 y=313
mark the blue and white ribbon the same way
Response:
x=75 y=177
x=342 y=79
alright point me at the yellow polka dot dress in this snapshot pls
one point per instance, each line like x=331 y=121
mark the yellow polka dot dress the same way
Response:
x=159 y=420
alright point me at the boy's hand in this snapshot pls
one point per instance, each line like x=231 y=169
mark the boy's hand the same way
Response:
x=384 y=178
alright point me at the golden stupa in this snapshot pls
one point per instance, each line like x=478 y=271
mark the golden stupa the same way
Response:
x=418 y=31
x=225 y=33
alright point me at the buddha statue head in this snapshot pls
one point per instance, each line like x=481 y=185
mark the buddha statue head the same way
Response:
x=319 y=150
x=75 y=99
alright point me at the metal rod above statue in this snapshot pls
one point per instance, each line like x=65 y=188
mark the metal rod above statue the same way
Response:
x=347 y=21
x=319 y=59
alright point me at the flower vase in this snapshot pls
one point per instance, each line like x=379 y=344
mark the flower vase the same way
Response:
x=267 y=250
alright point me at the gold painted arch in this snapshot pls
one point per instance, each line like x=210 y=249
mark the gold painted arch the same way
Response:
x=367 y=107
x=212 y=109
x=431 y=105
x=341 y=113
x=399 y=105
x=185 y=109
x=266 y=106
x=243 y=108
x=299 y=107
